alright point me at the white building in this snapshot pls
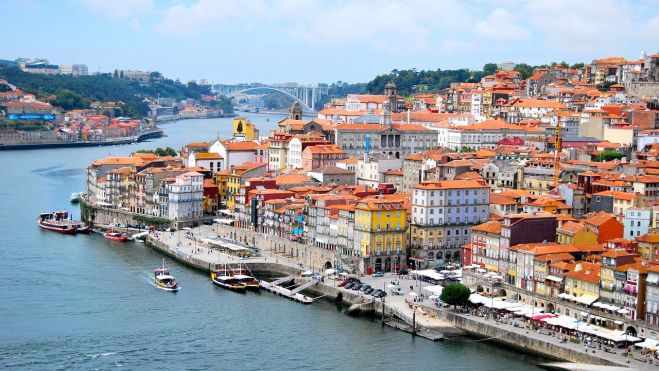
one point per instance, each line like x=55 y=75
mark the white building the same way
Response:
x=234 y=153
x=484 y=134
x=443 y=214
x=370 y=170
x=637 y=222
x=186 y=197
x=646 y=137
x=212 y=161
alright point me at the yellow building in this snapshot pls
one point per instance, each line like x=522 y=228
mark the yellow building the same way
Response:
x=584 y=282
x=575 y=234
x=244 y=129
x=380 y=228
x=648 y=246
x=221 y=177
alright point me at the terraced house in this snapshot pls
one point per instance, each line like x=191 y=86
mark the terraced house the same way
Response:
x=380 y=227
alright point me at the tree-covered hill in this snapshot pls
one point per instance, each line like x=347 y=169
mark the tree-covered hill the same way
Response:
x=78 y=92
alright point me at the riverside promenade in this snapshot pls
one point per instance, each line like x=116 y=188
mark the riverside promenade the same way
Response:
x=186 y=247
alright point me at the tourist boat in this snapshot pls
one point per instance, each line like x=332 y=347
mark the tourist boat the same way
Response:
x=250 y=282
x=164 y=280
x=114 y=235
x=228 y=282
x=75 y=197
x=57 y=221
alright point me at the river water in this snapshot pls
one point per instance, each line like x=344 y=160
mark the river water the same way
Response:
x=83 y=302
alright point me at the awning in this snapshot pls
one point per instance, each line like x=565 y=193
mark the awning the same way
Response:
x=554 y=278
x=587 y=299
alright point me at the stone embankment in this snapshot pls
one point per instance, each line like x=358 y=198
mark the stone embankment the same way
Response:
x=445 y=321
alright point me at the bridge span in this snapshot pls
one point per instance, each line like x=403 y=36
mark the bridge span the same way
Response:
x=306 y=94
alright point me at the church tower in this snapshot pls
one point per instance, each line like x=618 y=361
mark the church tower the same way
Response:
x=390 y=92
x=296 y=111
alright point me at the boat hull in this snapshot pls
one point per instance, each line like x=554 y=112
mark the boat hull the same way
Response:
x=165 y=288
x=58 y=229
x=227 y=286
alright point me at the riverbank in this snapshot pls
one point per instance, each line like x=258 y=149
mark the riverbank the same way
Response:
x=446 y=321
x=149 y=134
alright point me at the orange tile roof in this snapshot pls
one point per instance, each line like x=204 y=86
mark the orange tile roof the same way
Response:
x=451 y=184
x=571 y=227
x=614 y=253
x=207 y=156
x=589 y=272
x=489 y=227
x=325 y=149
x=540 y=103
x=285 y=179
x=599 y=218
x=241 y=146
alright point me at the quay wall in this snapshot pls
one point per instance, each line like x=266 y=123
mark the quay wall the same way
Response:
x=455 y=324
x=260 y=268
x=526 y=343
x=308 y=255
x=63 y=144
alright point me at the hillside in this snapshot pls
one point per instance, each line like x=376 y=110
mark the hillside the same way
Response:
x=78 y=92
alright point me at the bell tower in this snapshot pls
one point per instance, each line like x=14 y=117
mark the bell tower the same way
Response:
x=296 y=111
x=390 y=93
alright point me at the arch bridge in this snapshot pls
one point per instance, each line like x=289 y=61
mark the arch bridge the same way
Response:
x=306 y=95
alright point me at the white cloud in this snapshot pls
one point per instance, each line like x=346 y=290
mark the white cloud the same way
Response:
x=119 y=9
x=501 y=25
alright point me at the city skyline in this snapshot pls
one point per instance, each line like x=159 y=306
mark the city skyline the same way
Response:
x=226 y=41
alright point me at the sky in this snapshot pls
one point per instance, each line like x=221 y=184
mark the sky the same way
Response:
x=310 y=41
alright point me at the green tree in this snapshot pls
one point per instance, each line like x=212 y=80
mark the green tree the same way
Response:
x=69 y=100
x=490 y=68
x=605 y=86
x=524 y=69
x=608 y=156
x=455 y=294
x=577 y=66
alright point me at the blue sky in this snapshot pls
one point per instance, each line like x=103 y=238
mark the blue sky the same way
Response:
x=321 y=40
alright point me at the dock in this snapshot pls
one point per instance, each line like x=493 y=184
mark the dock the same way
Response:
x=282 y=291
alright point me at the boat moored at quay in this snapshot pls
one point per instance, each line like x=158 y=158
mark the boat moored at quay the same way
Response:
x=59 y=221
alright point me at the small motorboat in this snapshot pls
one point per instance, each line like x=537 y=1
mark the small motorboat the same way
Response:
x=83 y=228
x=164 y=280
x=112 y=234
x=75 y=197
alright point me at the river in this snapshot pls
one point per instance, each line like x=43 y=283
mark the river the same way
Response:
x=84 y=302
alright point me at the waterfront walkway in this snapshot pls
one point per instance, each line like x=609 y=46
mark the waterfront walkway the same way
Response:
x=187 y=244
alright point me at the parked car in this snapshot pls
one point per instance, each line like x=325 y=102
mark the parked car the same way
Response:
x=378 y=274
x=369 y=290
x=344 y=283
x=376 y=292
x=349 y=285
x=357 y=287
x=403 y=271
x=364 y=288
x=382 y=294
x=208 y=222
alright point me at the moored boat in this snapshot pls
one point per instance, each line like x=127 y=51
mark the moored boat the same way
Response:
x=57 y=221
x=83 y=228
x=250 y=282
x=163 y=279
x=75 y=197
x=114 y=235
x=228 y=282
